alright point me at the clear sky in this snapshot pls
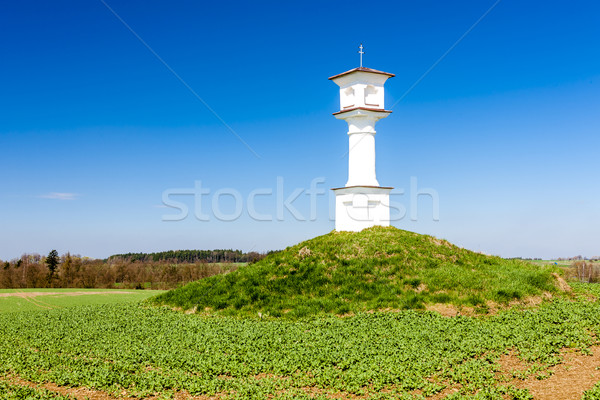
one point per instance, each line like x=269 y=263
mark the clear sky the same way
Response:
x=95 y=128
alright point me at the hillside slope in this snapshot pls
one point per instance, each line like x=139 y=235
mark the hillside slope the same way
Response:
x=378 y=268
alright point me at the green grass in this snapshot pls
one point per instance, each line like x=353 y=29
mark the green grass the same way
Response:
x=592 y=394
x=378 y=268
x=402 y=355
x=63 y=299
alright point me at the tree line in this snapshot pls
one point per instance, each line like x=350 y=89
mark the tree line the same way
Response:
x=163 y=270
x=192 y=256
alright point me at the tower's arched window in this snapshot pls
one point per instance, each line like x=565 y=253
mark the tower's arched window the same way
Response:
x=371 y=96
x=348 y=98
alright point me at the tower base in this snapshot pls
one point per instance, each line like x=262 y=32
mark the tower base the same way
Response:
x=360 y=207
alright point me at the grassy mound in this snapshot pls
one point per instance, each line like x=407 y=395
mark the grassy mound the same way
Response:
x=378 y=268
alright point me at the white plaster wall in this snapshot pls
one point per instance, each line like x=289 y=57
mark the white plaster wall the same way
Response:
x=347 y=98
x=374 y=96
x=361 y=146
x=362 y=95
x=366 y=90
x=358 y=208
x=361 y=160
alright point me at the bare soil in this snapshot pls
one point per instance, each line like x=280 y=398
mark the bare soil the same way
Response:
x=568 y=380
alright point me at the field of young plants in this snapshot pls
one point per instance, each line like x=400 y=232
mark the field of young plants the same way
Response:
x=12 y=300
x=131 y=349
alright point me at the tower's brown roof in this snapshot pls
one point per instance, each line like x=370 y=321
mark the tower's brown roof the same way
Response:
x=362 y=108
x=363 y=69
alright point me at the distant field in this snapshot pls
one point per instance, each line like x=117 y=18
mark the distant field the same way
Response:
x=560 y=263
x=12 y=300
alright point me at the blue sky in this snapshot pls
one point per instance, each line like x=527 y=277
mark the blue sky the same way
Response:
x=94 y=127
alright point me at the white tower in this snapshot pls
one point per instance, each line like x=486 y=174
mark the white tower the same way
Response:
x=362 y=203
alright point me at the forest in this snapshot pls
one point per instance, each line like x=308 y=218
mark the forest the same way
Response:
x=192 y=256
x=163 y=270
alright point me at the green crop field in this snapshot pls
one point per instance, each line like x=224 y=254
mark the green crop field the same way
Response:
x=560 y=263
x=135 y=350
x=12 y=300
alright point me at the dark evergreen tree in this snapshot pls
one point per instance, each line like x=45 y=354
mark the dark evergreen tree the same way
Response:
x=52 y=262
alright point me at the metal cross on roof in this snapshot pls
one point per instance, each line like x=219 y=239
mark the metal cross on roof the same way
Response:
x=361 y=52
